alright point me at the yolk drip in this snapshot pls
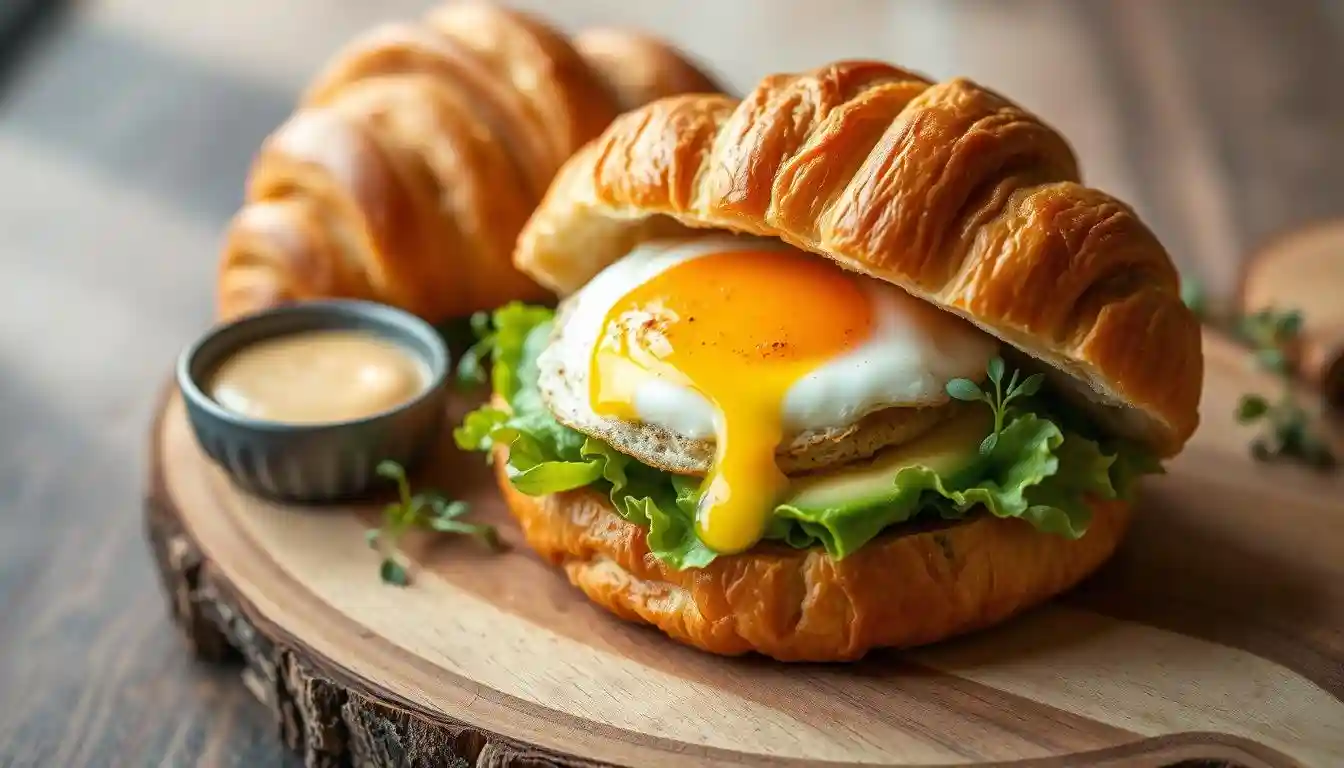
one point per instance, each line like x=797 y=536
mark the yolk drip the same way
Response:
x=739 y=327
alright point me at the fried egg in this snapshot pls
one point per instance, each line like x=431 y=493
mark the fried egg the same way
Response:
x=746 y=343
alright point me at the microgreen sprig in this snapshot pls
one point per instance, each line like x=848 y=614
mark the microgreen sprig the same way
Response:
x=425 y=510
x=999 y=399
x=1273 y=335
x=1270 y=333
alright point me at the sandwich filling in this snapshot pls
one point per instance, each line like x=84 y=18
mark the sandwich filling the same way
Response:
x=748 y=346
x=758 y=339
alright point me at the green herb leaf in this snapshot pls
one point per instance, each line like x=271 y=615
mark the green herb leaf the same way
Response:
x=394 y=471
x=1030 y=386
x=1288 y=325
x=449 y=525
x=393 y=572
x=481 y=324
x=987 y=447
x=1251 y=407
x=995 y=370
x=1194 y=297
x=486 y=534
x=1287 y=431
x=416 y=509
x=427 y=509
x=999 y=399
x=964 y=389
x=391 y=470
x=448 y=510
x=1272 y=360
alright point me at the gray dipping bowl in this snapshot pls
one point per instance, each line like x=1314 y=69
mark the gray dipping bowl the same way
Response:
x=315 y=462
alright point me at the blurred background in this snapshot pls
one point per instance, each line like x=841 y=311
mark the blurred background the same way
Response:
x=126 y=131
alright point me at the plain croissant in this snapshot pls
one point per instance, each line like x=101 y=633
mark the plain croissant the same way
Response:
x=415 y=158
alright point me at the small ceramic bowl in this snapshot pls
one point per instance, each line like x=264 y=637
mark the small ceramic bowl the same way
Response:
x=315 y=462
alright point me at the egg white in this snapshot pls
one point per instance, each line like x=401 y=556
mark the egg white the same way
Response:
x=913 y=351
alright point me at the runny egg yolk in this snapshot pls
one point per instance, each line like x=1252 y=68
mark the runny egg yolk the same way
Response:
x=740 y=327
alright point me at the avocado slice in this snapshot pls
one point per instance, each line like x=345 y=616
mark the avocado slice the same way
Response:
x=952 y=449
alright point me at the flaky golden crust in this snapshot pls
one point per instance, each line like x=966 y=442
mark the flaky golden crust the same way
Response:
x=411 y=164
x=564 y=98
x=945 y=189
x=397 y=49
x=639 y=68
x=903 y=589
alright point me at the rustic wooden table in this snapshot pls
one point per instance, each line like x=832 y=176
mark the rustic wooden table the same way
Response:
x=125 y=132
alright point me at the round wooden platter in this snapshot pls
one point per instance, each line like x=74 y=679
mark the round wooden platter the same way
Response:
x=1216 y=633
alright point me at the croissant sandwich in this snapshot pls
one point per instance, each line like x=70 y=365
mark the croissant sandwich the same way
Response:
x=414 y=159
x=853 y=362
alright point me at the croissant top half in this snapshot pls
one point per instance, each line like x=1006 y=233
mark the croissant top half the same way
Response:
x=947 y=190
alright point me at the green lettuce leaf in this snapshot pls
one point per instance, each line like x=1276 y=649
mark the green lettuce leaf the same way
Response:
x=1034 y=472
x=476 y=432
x=501 y=335
x=547 y=457
x=1131 y=462
x=1037 y=471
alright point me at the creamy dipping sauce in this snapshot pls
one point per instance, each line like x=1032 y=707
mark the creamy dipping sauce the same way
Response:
x=316 y=377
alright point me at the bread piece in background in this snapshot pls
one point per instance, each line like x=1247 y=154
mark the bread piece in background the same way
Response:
x=638 y=67
x=415 y=157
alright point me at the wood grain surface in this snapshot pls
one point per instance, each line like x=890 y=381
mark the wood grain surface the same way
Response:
x=125 y=133
x=1228 y=644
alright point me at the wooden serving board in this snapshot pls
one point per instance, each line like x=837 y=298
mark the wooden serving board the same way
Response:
x=1217 y=633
